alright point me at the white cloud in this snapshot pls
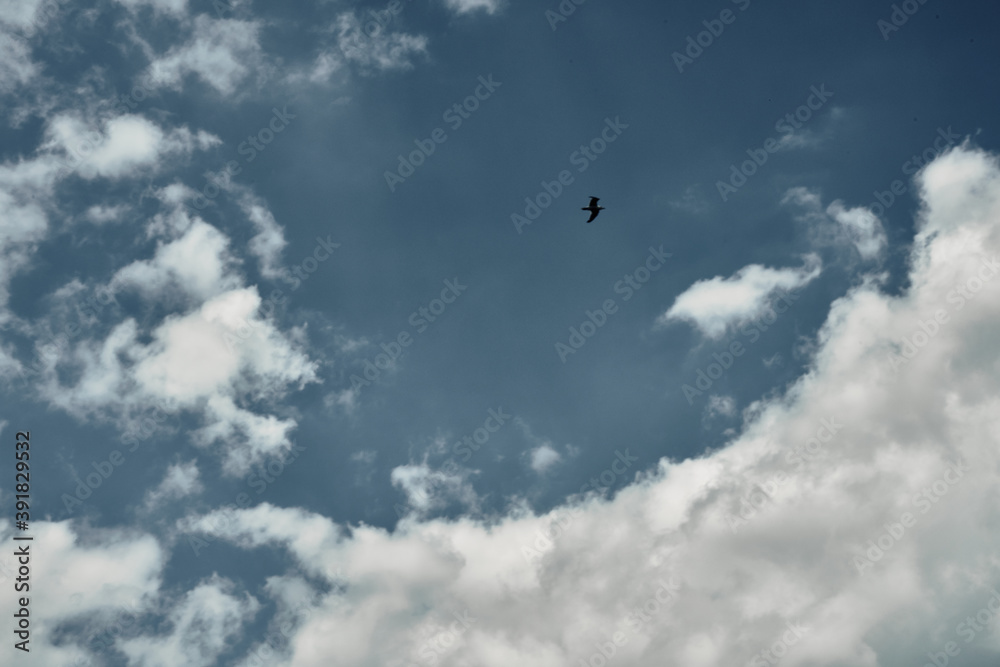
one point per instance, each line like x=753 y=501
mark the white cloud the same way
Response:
x=717 y=304
x=543 y=455
x=100 y=215
x=177 y=8
x=222 y=52
x=269 y=241
x=86 y=576
x=25 y=226
x=27 y=16
x=198 y=264
x=203 y=624
x=181 y=480
x=126 y=144
x=543 y=458
x=839 y=225
x=773 y=531
x=427 y=489
x=466 y=6
x=202 y=361
x=16 y=66
x=380 y=50
x=724 y=406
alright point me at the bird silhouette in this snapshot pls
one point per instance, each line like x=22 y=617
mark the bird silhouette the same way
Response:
x=593 y=208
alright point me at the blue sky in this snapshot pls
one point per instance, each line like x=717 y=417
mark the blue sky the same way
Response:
x=302 y=313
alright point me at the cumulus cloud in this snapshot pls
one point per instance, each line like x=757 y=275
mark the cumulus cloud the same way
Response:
x=197 y=264
x=717 y=304
x=202 y=361
x=87 y=577
x=125 y=144
x=852 y=521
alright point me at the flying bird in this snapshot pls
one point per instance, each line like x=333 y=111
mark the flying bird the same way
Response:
x=593 y=208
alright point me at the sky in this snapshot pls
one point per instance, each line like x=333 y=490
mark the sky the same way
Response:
x=309 y=356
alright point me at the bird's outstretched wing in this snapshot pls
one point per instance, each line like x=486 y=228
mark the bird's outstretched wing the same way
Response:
x=593 y=202
x=593 y=214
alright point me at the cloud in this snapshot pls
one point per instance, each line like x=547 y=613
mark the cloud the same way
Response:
x=851 y=515
x=16 y=66
x=27 y=16
x=717 y=304
x=467 y=6
x=177 y=8
x=544 y=453
x=543 y=458
x=221 y=52
x=100 y=215
x=197 y=264
x=718 y=406
x=202 y=361
x=25 y=226
x=371 y=50
x=427 y=489
x=181 y=480
x=838 y=225
x=88 y=574
x=203 y=625
x=269 y=241
x=127 y=143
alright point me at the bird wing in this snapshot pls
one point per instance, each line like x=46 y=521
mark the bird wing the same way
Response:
x=593 y=201
x=593 y=214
